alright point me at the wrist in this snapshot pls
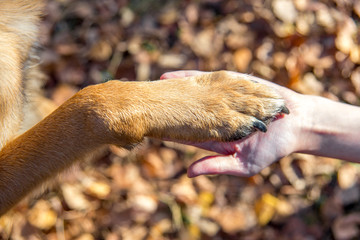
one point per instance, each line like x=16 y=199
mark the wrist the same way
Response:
x=329 y=129
x=309 y=141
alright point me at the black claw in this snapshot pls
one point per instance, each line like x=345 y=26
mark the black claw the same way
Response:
x=285 y=110
x=260 y=125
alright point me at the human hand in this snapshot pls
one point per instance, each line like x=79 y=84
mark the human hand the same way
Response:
x=249 y=156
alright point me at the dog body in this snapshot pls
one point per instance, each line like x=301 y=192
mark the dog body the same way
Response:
x=217 y=106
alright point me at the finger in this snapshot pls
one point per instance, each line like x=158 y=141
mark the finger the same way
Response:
x=180 y=74
x=223 y=164
x=224 y=148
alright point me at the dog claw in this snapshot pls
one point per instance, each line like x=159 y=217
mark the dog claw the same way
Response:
x=260 y=125
x=285 y=110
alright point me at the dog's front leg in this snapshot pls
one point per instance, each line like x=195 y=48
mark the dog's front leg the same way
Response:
x=215 y=106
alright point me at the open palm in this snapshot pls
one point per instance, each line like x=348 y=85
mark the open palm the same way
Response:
x=252 y=154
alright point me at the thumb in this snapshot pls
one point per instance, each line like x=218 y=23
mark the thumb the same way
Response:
x=180 y=74
x=221 y=164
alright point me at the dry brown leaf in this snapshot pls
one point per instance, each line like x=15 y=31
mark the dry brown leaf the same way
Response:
x=264 y=51
x=347 y=176
x=96 y=188
x=357 y=8
x=208 y=227
x=70 y=72
x=355 y=54
x=263 y=69
x=6 y=223
x=120 y=152
x=204 y=184
x=42 y=216
x=153 y=165
x=325 y=18
x=168 y=16
x=184 y=190
x=171 y=60
x=207 y=43
x=63 y=92
x=304 y=23
x=345 y=41
x=231 y=219
x=160 y=228
x=301 y=5
x=284 y=30
x=309 y=85
x=143 y=71
x=355 y=79
x=101 y=51
x=284 y=10
x=284 y=208
x=133 y=233
x=74 y=197
x=67 y=49
x=279 y=59
x=192 y=13
x=242 y=58
x=124 y=177
x=205 y=200
x=194 y=231
x=85 y=236
x=127 y=16
x=144 y=202
x=265 y=208
x=168 y=155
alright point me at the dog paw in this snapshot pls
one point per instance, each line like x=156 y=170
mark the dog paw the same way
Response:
x=238 y=106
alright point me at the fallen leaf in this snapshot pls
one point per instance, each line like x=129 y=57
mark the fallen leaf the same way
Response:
x=42 y=216
x=208 y=227
x=153 y=165
x=171 y=60
x=96 y=188
x=284 y=10
x=184 y=190
x=205 y=199
x=133 y=233
x=231 y=219
x=74 y=197
x=160 y=228
x=345 y=41
x=62 y=93
x=85 y=236
x=242 y=58
x=144 y=202
x=101 y=51
x=355 y=79
x=265 y=208
x=207 y=43
x=325 y=18
x=347 y=176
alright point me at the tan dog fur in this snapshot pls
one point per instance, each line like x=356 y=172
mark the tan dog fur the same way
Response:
x=218 y=106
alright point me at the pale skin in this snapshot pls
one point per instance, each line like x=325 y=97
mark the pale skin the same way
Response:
x=315 y=125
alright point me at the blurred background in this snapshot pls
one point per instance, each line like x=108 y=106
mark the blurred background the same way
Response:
x=310 y=46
